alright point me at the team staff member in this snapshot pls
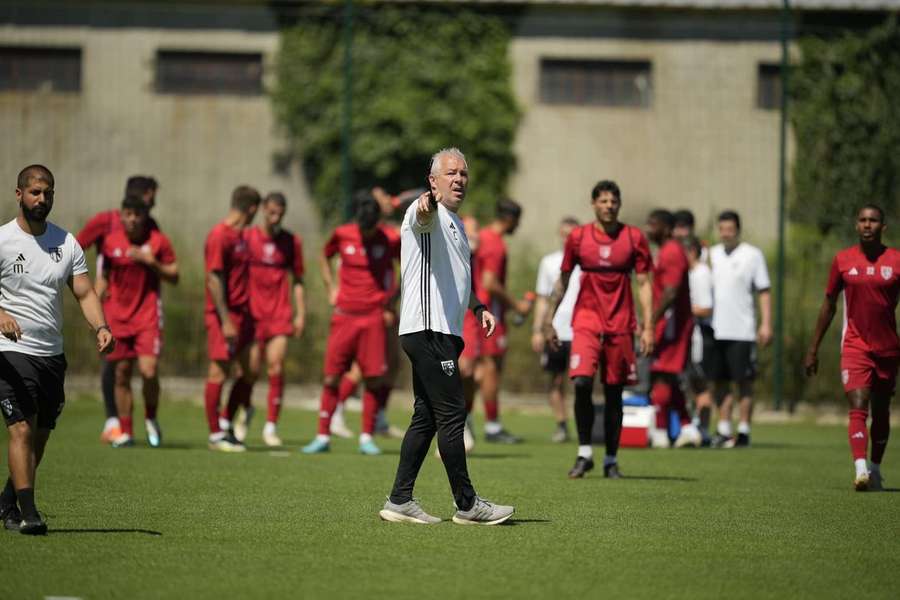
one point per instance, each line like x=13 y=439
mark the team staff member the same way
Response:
x=229 y=324
x=604 y=321
x=135 y=260
x=363 y=306
x=702 y=340
x=556 y=361
x=869 y=276
x=37 y=260
x=93 y=234
x=436 y=277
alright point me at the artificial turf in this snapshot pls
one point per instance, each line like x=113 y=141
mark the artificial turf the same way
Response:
x=777 y=520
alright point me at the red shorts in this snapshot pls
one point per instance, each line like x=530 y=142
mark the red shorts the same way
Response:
x=866 y=370
x=146 y=342
x=612 y=355
x=267 y=329
x=216 y=346
x=476 y=344
x=356 y=337
x=673 y=346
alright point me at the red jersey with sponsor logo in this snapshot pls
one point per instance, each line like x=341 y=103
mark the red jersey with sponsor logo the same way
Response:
x=272 y=261
x=133 y=296
x=871 y=290
x=490 y=257
x=671 y=270
x=101 y=225
x=366 y=277
x=605 y=303
x=226 y=251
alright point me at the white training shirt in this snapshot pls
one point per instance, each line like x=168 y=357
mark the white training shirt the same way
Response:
x=435 y=273
x=34 y=271
x=736 y=277
x=548 y=275
x=700 y=281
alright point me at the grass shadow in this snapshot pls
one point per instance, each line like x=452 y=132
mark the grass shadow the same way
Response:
x=496 y=456
x=660 y=478
x=514 y=522
x=105 y=531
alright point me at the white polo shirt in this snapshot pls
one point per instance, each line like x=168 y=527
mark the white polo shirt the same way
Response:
x=736 y=278
x=34 y=272
x=548 y=274
x=700 y=281
x=435 y=273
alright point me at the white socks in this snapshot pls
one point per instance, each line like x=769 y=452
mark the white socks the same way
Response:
x=862 y=468
x=269 y=428
x=111 y=423
x=724 y=428
x=586 y=451
x=224 y=424
x=365 y=438
x=492 y=427
x=744 y=428
x=322 y=437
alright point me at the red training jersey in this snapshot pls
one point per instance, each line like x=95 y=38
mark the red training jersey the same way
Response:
x=272 y=261
x=671 y=270
x=605 y=303
x=133 y=301
x=490 y=257
x=366 y=278
x=871 y=290
x=226 y=251
x=101 y=225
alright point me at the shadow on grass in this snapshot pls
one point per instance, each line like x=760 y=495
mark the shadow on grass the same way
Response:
x=141 y=531
x=496 y=456
x=513 y=522
x=659 y=478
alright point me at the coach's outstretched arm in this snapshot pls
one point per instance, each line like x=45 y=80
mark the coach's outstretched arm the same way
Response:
x=93 y=311
x=826 y=315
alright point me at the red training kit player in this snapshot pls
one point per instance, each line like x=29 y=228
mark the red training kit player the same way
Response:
x=226 y=252
x=604 y=319
x=673 y=332
x=272 y=262
x=870 y=348
x=101 y=225
x=489 y=257
x=133 y=304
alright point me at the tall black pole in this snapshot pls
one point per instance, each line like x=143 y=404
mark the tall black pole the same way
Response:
x=778 y=379
x=347 y=113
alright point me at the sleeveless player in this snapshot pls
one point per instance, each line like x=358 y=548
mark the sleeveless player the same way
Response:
x=276 y=256
x=869 y=276
x=37 y=260
x=135 y=260
x=93 y=234
x=229 y=325
x=604 y=322
x=362 y=301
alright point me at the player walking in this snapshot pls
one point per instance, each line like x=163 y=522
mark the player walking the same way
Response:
x=275 y=255
x=363 y=305
x=869 y=276
x=604 y=321
x=37 y=260
x=135 y=259
x=229 y=324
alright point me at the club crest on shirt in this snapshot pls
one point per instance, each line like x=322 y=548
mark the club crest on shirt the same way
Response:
x=55 y=253
x=605 y=251
x=269 y=252
x=350 y=249
x=574 y=361
x=6 y=405
x=886 y=272
x=845 y=376
x=449 y=367
x=870 y=270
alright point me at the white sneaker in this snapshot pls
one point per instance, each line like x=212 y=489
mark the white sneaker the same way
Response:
x=154 y=433
x=861 y=483
x=339 y=426
x=689 y=437
x=271 y=439
x=242 y=423
x=123 y=441
x=408 y=512
x=225 y=443
x=483 y=513
x=660 y=439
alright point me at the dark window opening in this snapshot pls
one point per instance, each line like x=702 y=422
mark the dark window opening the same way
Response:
x=25 y=68
x=596 y=82
x=768 y=87
x=183 y=72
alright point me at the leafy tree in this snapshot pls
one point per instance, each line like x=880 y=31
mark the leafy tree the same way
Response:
x=424 y=78
x=846 y=117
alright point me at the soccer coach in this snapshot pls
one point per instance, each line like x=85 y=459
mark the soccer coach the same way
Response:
x=436 y=274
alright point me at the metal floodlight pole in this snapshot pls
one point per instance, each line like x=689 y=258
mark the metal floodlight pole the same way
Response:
x=347 y=113
x=778 y=379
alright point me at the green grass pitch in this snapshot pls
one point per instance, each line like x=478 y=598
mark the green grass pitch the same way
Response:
x=779 y=520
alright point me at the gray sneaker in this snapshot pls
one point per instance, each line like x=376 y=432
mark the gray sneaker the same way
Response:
x=408 y=512
x=483 y=513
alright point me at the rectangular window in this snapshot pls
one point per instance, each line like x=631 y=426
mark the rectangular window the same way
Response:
x=768 y=87
x=596 y=82
x=187 y=72
x=29 y=68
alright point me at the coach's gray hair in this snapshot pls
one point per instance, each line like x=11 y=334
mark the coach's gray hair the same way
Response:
x=455 y=152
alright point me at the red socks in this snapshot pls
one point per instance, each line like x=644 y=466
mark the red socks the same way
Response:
x=346 y=389
x=127 y=424
x=661 y=396
x=369 y=411
x=858 y=434
x=276 y=389
x=212 y=395
x=491 y=410
x=327 y=404
x=881 y=430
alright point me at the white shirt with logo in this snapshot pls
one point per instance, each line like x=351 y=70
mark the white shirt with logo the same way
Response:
x=736 y=278
x=548 y=275
x=435 y=272
x=700 y=282
x=34 y=271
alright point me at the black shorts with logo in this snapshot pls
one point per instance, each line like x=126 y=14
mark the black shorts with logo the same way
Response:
x=734 y=360
x=32 y=386
x=556 y=361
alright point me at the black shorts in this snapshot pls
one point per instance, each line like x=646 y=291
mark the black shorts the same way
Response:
x=698 y=374
x=32 y=386
x=734 y=361
x=556 y=361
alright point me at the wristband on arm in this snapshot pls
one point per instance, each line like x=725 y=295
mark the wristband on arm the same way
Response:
x=478 y=308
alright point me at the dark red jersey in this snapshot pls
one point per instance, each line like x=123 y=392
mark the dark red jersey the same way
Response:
x=871 y=291
x=273 y=260
x=226 y=252
x=133 y=295
x=101 y=225
x=491 y=258
x=671 y=270
x=366 y=277
x=605 y=303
